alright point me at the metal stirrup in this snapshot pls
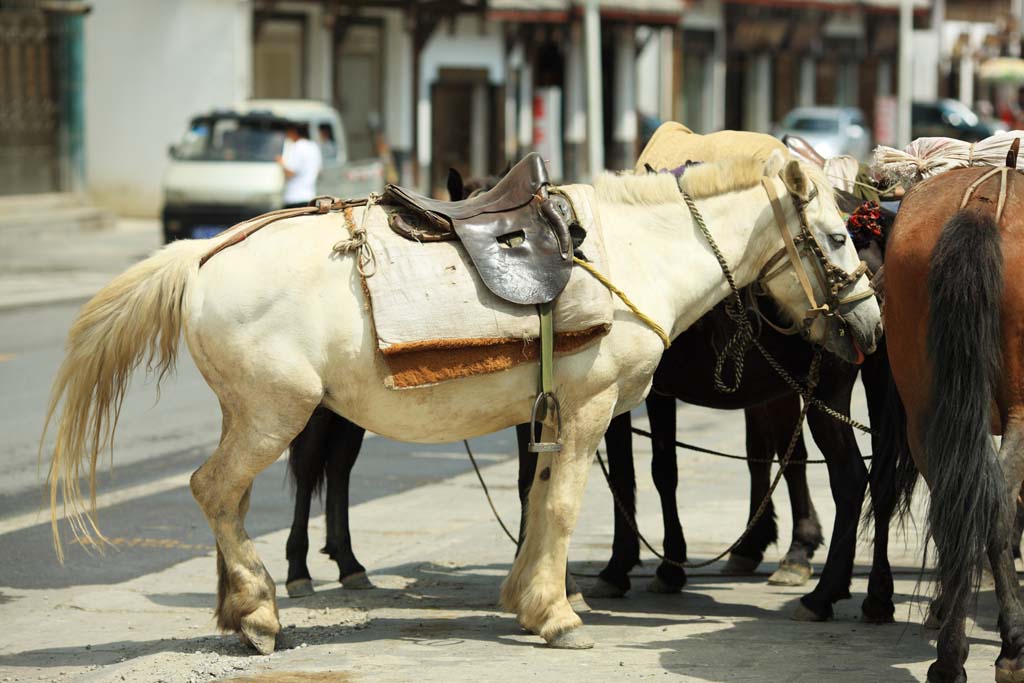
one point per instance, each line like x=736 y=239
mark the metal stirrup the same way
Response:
x=546 y=397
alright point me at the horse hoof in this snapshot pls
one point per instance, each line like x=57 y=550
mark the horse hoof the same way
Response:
x=357 y=581
x=790 y=574
x=876 y=611
x=603 y=589
x=262 y=641
x=1009 y=675
x=659 y=585
x=738 y=565
x=576 y=639
x=578 y=604
x=803 y=613
x=299 y=588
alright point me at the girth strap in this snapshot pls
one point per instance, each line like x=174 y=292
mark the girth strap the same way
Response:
x=546 y=399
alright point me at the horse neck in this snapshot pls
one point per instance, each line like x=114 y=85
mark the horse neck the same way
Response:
x=659 y=252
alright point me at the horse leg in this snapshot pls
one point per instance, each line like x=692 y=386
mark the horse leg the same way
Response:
x=346 y=440
x=250 y=442
x=848 y=479
x=299 y=583
x=535 y=587
x=670 y=576
x=527 y=470
x=1010 y=663
x=795 y=568
x=613 y=581
x=1018 y=524
x=878 y=606
x=306 y=457
x=746 y=557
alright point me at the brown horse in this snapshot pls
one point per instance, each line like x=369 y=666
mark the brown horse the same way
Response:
x=955 y=329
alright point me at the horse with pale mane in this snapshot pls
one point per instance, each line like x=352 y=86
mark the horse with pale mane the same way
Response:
x=279 y=324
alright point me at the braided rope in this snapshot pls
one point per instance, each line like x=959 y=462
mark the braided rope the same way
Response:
x=658 y=330
x=736 y=348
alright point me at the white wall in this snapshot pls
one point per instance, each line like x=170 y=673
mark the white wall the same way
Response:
x=149 y=66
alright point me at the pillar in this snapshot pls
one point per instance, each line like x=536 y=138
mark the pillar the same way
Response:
x=595 y=111
x=479 y=147
x=806 y=95
x=966 y=90
x=525 y=107
x=575 y=107
x=398 y=112
x=624 y=109
x=758 y=95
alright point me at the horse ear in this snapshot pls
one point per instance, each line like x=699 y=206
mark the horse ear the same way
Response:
x=456 y=191
x=796 y=180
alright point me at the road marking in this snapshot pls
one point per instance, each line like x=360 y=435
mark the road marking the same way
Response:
x=151 y=488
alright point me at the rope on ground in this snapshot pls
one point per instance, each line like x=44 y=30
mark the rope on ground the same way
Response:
x=469 y=452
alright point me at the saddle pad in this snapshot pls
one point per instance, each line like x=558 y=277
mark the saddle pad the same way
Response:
x=435 y=320
x=673 y=144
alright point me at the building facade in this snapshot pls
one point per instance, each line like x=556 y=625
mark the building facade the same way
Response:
x=468 y=84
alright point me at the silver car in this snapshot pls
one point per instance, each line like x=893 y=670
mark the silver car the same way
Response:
x=830 y=130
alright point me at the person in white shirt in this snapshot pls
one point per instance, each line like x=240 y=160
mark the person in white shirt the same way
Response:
x=301 y=163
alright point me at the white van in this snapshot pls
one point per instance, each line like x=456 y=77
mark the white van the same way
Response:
x=224 y=170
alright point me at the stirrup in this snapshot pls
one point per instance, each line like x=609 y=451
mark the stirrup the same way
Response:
x=549 y=400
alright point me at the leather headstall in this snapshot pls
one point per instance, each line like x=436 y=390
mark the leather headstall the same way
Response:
x=834 y=280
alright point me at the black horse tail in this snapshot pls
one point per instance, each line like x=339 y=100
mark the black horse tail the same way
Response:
x=969 y=498
x=308 y=453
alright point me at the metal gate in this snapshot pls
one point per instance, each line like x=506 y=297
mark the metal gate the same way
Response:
x=40 y=96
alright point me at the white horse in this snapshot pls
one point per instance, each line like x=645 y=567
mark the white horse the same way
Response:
x=279 y=325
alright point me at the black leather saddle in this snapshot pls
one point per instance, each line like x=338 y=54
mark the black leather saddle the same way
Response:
x=516 y=233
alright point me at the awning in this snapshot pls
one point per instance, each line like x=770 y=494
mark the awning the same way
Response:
x=1008 y=70
x=640 y=11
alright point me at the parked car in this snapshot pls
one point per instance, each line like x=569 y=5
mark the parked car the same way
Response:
x=830 y=130
x=223 y=171
x=950 y=119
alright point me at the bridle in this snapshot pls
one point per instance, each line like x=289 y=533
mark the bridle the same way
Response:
x=834 y=280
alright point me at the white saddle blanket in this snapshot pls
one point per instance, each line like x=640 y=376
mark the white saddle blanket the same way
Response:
x=429 y=295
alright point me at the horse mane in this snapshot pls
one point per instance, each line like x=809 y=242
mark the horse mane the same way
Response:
x=719 y=177
x=700 y=181
x=655 y=188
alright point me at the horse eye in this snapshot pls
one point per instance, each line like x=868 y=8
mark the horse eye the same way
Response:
x=838 y=238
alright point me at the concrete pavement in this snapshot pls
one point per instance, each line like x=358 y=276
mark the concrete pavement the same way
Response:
x=45 y=264
x=438 y=558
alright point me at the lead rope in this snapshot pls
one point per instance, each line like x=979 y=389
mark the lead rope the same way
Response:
x=737 y=347
x=812 y=382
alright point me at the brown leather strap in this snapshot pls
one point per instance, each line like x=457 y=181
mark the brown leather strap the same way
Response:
x=241 y=231
x=787 y=240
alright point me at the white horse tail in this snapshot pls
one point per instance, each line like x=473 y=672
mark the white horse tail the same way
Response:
x=137 y=317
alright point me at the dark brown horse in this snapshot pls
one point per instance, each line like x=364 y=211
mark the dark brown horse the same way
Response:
x=954 y=315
